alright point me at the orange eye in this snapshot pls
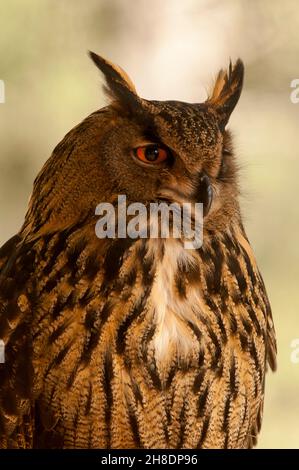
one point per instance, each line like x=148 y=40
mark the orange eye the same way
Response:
x=151 y=154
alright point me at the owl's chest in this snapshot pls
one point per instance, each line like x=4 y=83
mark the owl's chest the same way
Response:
x=174 y=304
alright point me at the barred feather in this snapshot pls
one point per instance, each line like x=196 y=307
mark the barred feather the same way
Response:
x=134 y=343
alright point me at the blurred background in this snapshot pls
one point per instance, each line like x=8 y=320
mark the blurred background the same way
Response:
x=172 y=49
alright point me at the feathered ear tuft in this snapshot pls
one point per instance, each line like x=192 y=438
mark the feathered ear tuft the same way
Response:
x=119 y=87
x=227 y=91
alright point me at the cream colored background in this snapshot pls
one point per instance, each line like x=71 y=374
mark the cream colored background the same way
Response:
x=172 y=49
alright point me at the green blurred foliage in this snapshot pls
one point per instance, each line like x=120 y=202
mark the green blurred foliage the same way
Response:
x=172 y=49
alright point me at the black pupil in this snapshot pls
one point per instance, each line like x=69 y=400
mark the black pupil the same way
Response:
x=152 y=153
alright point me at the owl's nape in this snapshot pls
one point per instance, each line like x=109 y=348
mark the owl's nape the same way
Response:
x=135 y=343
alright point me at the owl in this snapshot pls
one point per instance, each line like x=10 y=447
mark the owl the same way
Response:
x=139 y=342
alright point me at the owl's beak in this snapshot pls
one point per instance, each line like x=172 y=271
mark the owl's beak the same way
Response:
x=200 y=191
x=204 y=193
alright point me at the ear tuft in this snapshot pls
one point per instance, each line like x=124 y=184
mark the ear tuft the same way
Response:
x=227 y=91
x=119 y=86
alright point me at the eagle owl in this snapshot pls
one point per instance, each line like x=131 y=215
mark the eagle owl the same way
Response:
x=135 y=343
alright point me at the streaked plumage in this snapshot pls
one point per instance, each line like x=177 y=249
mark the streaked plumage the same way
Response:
x=134 y=343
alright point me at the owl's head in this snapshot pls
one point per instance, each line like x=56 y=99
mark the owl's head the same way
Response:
x=147 y=150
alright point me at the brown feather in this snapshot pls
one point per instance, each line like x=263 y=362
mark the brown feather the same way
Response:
x=121 y=343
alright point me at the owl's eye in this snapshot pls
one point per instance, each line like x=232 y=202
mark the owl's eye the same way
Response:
x=151 y=154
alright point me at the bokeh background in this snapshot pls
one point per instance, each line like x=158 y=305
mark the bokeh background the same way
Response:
x=172 y=49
